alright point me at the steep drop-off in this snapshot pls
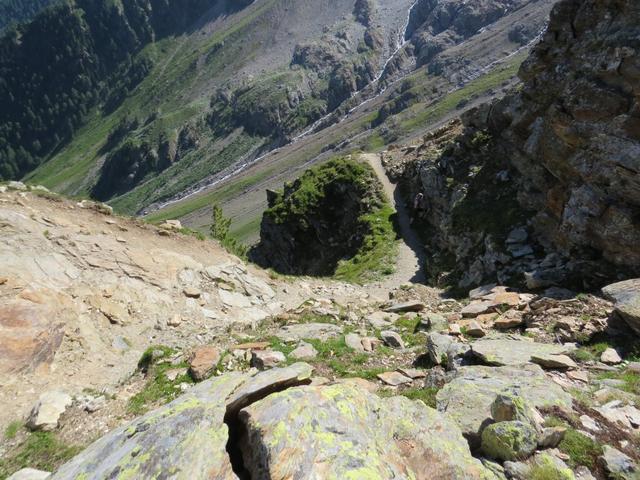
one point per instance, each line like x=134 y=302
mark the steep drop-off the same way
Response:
x=545 y=182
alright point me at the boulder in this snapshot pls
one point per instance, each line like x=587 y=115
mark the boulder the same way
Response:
x=203 y=361
x=354 y=342
x=626 y=296
x=304 y=351
x=188 y=436
x=394 y=378
x=513 y=351
x=262 y=359
x=392 y=339
x=476 y=308
x=474 y=329
x=619 y=465
x=551 y=437
x=611 y=357
x=561 y=362
x=438 y=346
x=48 y=410
x=341 y=431
x=509 y=319
x=513 y=440
x=467 y=399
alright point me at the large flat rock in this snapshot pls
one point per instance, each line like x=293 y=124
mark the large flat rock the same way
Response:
x=342 y=431
x=467 y=398
x=302 y=331
x=514 y=351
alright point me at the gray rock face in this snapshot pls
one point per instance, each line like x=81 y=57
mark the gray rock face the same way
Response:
x=626 y=296
x=439 y=346
x=187 y=436
x=562 y=155
x=467 y=399
x=340 y=431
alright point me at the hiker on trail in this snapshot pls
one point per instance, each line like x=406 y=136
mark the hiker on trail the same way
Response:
x=419 y=206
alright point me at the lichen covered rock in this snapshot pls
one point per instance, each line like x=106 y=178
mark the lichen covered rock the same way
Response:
x=513 y=440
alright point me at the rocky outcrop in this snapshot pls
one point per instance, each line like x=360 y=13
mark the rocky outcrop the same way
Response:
x=557 y=161
x=236 y=424
x=317 y=220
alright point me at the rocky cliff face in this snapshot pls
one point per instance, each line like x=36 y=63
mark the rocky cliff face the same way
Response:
x=317 y=220
x=549 y=173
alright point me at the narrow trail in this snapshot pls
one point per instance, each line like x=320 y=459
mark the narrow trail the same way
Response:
x=411 y=257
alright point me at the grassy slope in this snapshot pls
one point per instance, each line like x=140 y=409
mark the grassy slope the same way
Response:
x=410 y=122
x=174 y=90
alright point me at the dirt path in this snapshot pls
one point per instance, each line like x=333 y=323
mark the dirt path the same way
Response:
x=409 y=267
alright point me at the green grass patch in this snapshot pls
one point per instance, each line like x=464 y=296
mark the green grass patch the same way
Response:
x=40 y=450
x=450 y=102
x=581 y=449
x=12 y=429
x=631 y=380
x=158 y=389
x=378 y=253
x=427 y=395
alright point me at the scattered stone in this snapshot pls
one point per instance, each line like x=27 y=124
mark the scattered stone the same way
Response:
x=625 y=416
x=174 y=373
x=412 y=373
x=618 y=464
x=438 y=346
x=476 y=308
x=394 y=378
x=174 y=321
x=509 y=319
x=475 y=330
x=579 y=375
x=454 y=329
x=392 y=339
x=369 y=343
x=382 y=320
x=551 y=437
x=634 y=367
x=413 y=306
x=626 y=296
x=481 y=291
x=353 y=341
x=48 y=410
x=191 y=292
x=589 y=423
x=513 y=440
x=263 y=359
x=29 y=474
x=610 y=356
x=517 y=235
x=554 y=361
x=304 y=351
x=554 y=467
x=203 y=362
x=315 y=331
x=434 y=321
